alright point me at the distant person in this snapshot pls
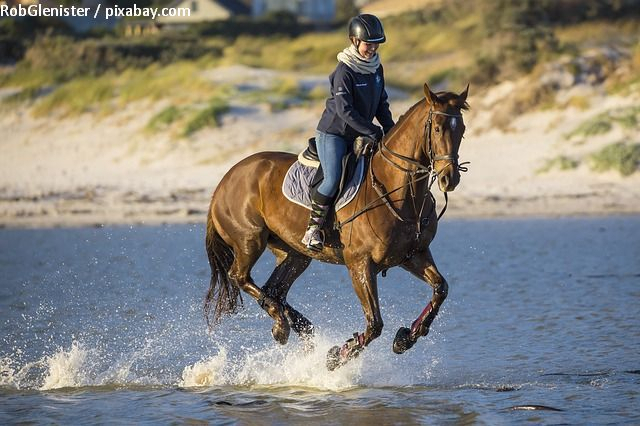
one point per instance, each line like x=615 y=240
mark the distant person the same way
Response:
x=357 y=97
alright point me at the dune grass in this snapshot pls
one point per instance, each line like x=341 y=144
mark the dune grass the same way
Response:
x=560 y=162
x=446 y=45
x=76 y=97
x=628 y=118
x=621 y=157
x=206 y=117
x=595 y=126
x=181 y=83
x=164 y=119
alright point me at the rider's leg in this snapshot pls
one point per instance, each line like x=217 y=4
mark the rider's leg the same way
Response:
x=331 y=149
x=320 y=205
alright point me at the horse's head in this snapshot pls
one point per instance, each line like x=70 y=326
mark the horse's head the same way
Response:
x=444 y=130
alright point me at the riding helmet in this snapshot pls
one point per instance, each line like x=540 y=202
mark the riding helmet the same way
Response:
x=367 y=28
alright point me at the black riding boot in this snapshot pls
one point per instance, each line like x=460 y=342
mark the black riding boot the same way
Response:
x=314 y=236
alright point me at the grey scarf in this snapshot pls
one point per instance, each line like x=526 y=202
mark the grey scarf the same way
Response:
x=357 y=62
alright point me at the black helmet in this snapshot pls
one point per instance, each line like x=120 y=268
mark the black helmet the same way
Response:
x=367 y=28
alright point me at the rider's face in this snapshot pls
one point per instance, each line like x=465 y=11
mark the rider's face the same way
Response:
x=367 y=50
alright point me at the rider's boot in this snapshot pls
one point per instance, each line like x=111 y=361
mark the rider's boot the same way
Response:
x=314 y=236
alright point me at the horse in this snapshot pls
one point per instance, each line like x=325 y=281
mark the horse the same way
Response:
x=390 y=222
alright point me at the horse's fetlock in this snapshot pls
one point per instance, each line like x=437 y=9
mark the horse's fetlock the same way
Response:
x=442 y=290
x=375 y=330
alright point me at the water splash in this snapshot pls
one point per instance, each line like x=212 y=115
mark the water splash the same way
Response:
x=66 y=368
x=290 y=366
x=207 y=372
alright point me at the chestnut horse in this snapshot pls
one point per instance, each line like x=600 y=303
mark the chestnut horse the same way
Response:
x=391 y=222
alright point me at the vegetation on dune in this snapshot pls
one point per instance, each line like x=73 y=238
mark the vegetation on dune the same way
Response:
x=560 y=162
x=448 y=44
x=627 y=118
x=592 y=127
x=209 y=116
x=621 y=157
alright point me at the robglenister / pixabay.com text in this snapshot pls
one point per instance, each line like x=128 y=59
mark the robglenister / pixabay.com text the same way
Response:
x=38 y=10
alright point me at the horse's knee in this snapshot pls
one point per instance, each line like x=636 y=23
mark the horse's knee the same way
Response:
x=442 y=290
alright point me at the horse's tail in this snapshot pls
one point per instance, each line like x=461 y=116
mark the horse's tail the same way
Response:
x=223 y=294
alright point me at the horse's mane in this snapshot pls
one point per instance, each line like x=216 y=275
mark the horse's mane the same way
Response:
x=404 y=117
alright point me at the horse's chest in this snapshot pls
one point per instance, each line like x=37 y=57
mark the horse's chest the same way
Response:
x=401 y=243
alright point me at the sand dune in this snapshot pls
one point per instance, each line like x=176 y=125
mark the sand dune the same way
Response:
x=93 y=170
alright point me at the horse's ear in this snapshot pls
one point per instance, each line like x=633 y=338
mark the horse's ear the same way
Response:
x=462 y=97
x=431 y=97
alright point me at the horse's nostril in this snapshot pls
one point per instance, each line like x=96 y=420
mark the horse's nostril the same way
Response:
x=444 y=181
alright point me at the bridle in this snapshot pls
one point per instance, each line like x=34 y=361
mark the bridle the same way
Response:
x=430 y=169
x=424 y=171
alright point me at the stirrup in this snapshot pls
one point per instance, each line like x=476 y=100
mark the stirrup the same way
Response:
x=314 y=238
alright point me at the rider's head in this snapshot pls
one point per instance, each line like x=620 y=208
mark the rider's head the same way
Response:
x=366 y=33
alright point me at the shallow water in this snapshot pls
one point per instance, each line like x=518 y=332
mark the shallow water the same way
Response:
x=102 y=325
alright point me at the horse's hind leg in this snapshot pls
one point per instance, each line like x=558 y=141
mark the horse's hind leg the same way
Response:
x=245 y=258
x=422 y=266
x=289 y=266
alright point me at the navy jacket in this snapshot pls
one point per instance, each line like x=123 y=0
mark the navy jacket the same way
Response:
x=355 y=100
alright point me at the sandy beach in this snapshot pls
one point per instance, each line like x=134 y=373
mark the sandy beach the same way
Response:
x=95 y=170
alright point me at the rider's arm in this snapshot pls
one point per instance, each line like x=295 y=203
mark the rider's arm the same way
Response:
x=343 y=87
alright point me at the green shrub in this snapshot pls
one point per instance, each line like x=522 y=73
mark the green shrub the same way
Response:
x=164 y=118
x=76 y=97
x=623 y=157
x=207 y=117
x=628 y=118
x=559 y=163
x=596 y=126
x=26 y=94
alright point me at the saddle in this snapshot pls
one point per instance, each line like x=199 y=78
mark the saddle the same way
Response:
x=305 y=175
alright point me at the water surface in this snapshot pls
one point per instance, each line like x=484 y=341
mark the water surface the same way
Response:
x=101 y=325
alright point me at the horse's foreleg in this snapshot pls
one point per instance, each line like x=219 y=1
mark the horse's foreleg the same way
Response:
x=422 y=266
x=289 y=266
x=365 y=284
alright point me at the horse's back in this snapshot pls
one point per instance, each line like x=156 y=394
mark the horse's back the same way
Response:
x=254 y=171
x=241 y=195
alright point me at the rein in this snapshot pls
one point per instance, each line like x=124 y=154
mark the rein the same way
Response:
x=427 y=172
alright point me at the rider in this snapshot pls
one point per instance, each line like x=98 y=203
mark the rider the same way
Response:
x=357 y=96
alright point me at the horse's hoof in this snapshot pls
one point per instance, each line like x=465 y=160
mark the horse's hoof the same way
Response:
x=333 y=358
x=281 y=332
x=403 y=340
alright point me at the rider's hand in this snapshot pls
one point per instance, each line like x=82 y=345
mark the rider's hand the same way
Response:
x=377 y=135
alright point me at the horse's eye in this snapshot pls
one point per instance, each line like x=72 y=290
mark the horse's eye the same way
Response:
x=437 y=129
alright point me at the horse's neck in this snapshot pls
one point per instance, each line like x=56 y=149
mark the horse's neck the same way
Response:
x=406 y=140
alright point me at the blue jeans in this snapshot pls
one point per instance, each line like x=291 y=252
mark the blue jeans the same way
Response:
x=331 y=149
